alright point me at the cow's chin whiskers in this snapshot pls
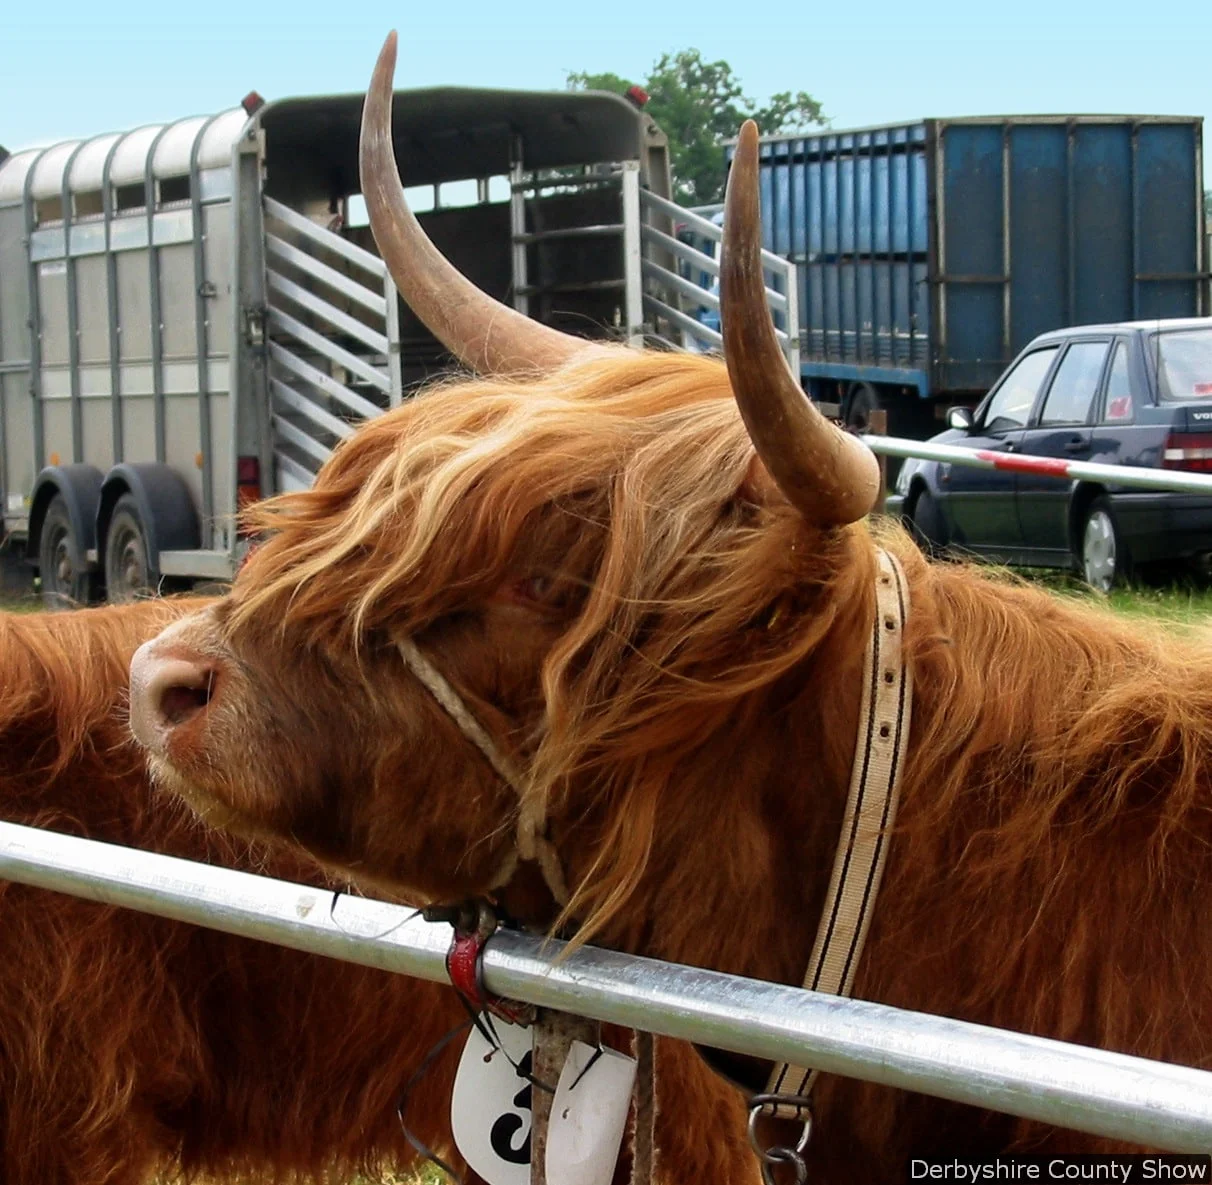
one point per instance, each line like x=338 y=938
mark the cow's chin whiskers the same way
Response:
x=211 y=811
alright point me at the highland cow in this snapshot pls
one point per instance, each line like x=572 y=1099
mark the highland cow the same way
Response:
x=647 y=584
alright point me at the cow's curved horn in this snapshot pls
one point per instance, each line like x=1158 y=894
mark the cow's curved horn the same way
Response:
x=831 y=477
x=482 y=333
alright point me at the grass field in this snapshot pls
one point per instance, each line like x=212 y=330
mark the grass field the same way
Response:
x=1178 y=603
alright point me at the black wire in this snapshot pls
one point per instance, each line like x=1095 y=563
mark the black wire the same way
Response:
x=419 y=1146
x=332 y=917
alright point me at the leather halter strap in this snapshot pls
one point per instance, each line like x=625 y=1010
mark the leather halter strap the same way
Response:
x=530 y=842
x=879 y=756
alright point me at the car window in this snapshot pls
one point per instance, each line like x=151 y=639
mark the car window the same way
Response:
x=1118 y=401
x=1011 y=403
x=1184 y=363
x=1074 y=385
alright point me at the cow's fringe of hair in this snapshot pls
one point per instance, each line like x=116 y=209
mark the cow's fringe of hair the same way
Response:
x=695 y=584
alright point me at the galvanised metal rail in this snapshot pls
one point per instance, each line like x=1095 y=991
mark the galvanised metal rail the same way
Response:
x=1135 y=476
x=1152 y=1103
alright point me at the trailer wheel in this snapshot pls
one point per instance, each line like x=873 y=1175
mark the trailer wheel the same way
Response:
x=61 y=566
x=128 y=572
x=864 y=399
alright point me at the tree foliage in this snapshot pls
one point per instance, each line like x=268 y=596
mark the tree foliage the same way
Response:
x=698 y=105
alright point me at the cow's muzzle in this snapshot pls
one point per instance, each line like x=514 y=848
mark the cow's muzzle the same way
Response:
x=169 y=688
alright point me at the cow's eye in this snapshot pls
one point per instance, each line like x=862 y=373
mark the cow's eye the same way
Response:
x=536 y=589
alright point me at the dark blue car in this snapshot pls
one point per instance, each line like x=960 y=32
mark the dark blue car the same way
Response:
x=1133 y=393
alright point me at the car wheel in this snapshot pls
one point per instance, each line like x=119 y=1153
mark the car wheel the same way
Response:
x=926 y=523
x=128 y=573
x=1103 y=558
x=61 y=568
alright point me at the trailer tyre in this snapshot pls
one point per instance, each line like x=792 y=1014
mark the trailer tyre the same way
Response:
x=62 y=568
x=129 y=575
x=864 y=399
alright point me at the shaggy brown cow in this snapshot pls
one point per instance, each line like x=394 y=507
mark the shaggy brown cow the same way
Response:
x=129 y=1043
x=663 y=627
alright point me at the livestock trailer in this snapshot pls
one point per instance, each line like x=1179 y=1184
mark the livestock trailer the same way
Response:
x=193 y=314
x=929 y=253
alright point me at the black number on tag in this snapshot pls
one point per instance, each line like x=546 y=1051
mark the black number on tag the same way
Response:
x=507 y=1127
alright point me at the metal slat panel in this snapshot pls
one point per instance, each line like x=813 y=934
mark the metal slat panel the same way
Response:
x=658 y=238
x=688 y=288
x=322 y=345
x=296 y=436
x=693 y=327
x=297 y=402
x=359 y=406
x=356 y=255
x=334 y=316
x=291 y=477
x=330 y=276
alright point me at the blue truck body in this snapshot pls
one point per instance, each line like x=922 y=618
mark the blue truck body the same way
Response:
x=929 y=253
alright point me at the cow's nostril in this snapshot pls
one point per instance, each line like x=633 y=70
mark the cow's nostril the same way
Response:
x=168 y=690
x=178 y=703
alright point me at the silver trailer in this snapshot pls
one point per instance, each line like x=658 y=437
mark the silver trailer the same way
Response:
x=192 y=315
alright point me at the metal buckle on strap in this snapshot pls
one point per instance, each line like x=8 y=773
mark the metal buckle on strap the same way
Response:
x=776 y=1154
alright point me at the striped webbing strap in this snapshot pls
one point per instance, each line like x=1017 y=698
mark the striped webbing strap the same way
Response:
x=883 y=735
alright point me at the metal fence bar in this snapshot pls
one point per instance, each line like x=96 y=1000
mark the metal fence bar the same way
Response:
x=1134 y=476
x=1084 y=1089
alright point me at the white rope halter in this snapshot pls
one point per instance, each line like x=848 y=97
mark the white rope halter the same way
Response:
x=530 y=840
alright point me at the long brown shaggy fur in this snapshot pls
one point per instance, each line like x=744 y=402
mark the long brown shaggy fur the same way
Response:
x=685 y=701
x=130 y=1044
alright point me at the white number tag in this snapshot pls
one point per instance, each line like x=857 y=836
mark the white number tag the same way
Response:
x=588 y=1116
x=490 y=1107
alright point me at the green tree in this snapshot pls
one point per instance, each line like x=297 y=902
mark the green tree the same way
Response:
x=699 y=105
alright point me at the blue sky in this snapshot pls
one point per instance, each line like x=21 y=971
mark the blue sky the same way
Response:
x=71 y=69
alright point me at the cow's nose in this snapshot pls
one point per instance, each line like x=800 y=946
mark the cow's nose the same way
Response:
x=166 y=691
